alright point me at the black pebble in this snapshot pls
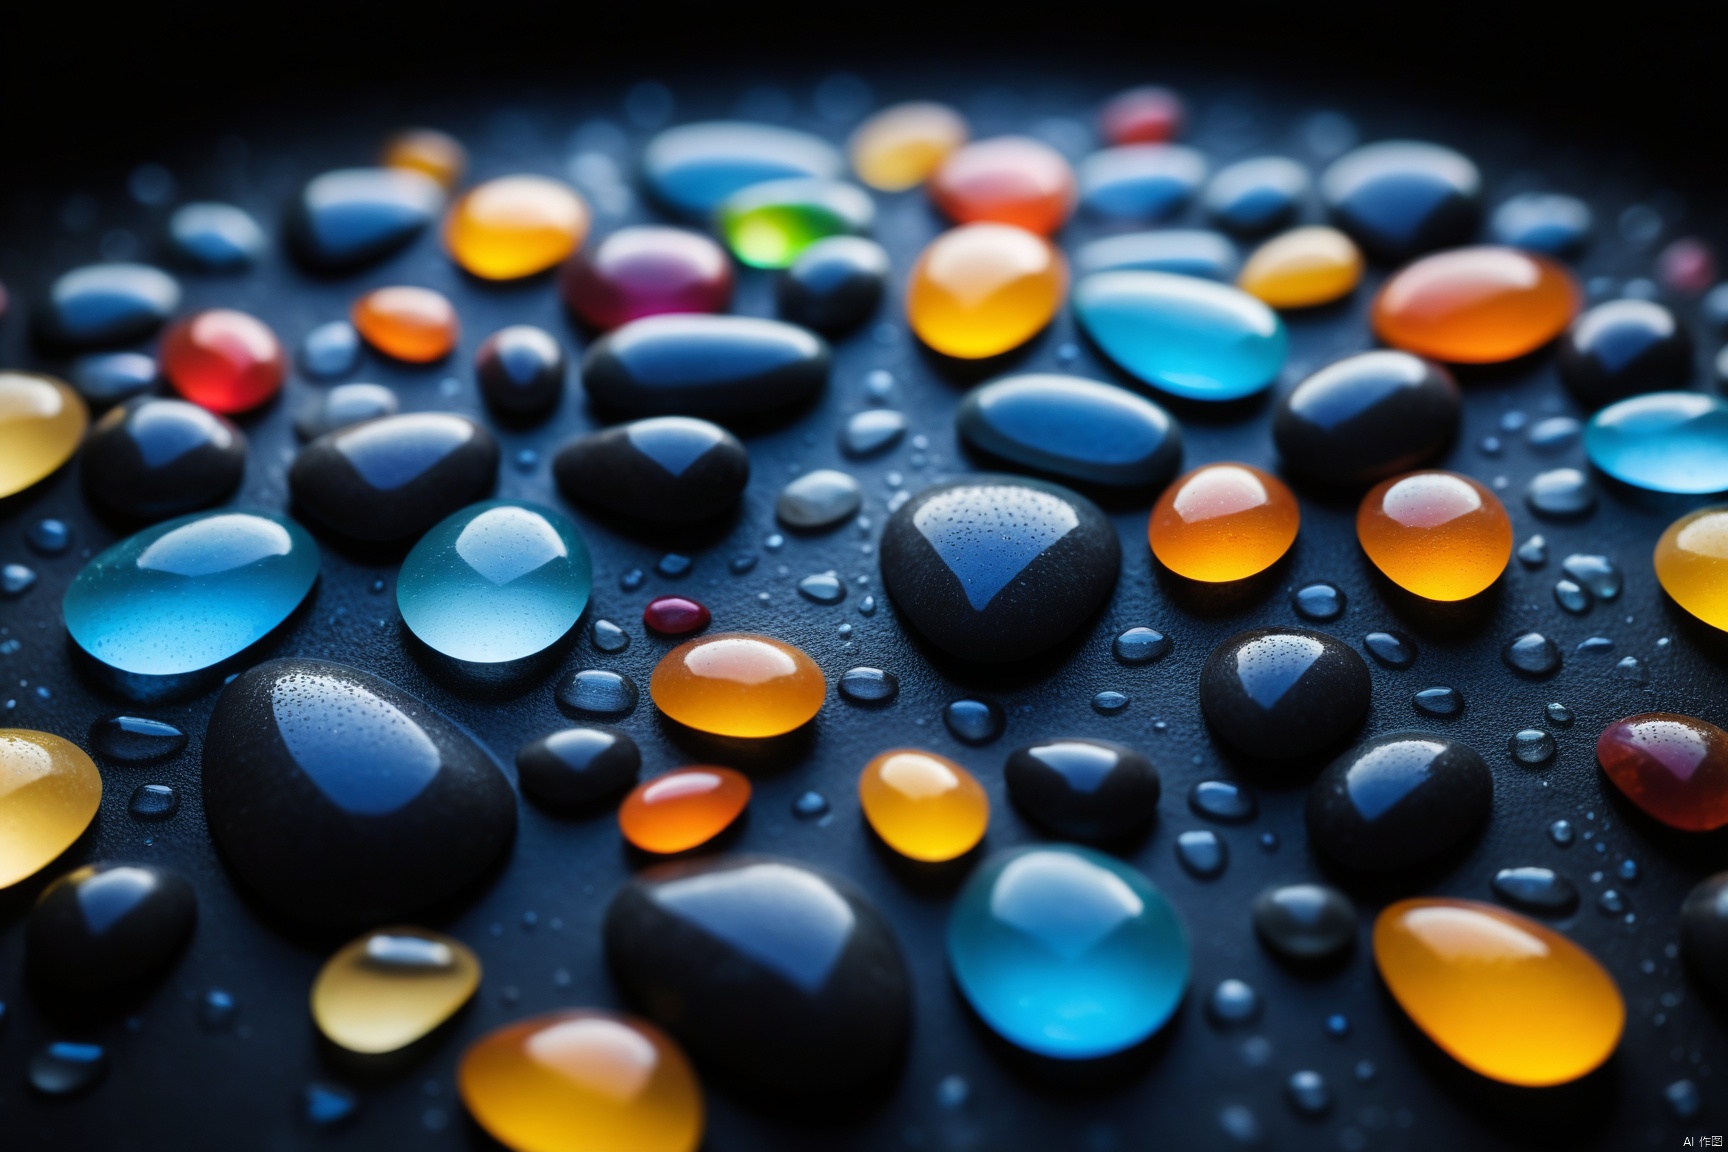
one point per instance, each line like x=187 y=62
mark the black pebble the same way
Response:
x=669 y=469
x=1704 y=933
x=1283 y=692
x=1367 y=417
x=521 y=371
x=835 y=284
x=391 y=479
x=108 y=929
x=1402 y=198
x=1622 y=348
x=716 y=367
x=578 y=765
x=1306 y=923
x=1398 y=800
x=1090 y=790
x=102 y=304
x=153 y=458
x=135 y=739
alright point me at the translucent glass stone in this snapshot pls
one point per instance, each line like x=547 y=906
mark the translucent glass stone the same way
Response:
x=1542 y=222
x=495 y=582
x=924 y=806
x=1067 y=952
x=983 y=289
x=1663 y=442
x=1303 y=268
x=736 y=684
x=900 y=146
x=429 y=152
x=42 y=422
x=1503 y=995
x=1223 y=522
x=1440 y=535
x=515 y=226
x=1005 y=180
x=1140 y=181
x=647 y=270
x=391 y=987
x=770 y=225
x=683 y=809
x=218 y=237
x=1692 y=564
x=224 y=360
x=186 y=594
x=49 y=793
x=407 y=323
x=693 y=167
x=1478 y=305
x=1674 y=767
x=108 y=304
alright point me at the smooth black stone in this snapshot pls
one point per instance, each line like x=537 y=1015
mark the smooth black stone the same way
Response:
x=1402 y=198
x=1532 y=654
x=1257 y=195
x=1091 y=790
x=1223 y=800
x=153 y=458
x=66 y=1069
x=777 y=976
x=1283 y=692
x=598 y=691
x=868 y=685
x=716 y=367
x=1073 y=429
x=108 y=304
x=1622 y=348
x=1367 y=417
x=974 y=721
x=1704 y=932
x=834 y=285
x=1391 y=649
x=353 y=216
x=107 y=929
x=1398 y=800
x=391 y=479
x=669 y=469
x=1539 y=890
x=340 y=799
x=521 y=371
x=135 y=739
x=1305 y=922
x=105 y=378
x=1202 y=854
x=578 y=765
x=993 y=568
x=343 y=407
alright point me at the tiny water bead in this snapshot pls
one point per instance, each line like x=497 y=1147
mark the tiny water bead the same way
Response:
x=355 y=216
x=694 y=167
x=1144 y=115
x=106 y=930
x=1319 y=602
x=1540 y=891
x=582 y=1080
x=1005 y=180
x=1704 y=931
x=974 y=721
x=1503 y=995
x=1531 y=654
x=104 y=378
x=496 y=582
x=1400 y=198
x=713 y=367
x=1303 y=268
x=924 y=806
x=1691 y=564
x=1202 y=854
x=1673 y=767
x=1542 y=222
x=394 y=477
x=1232 y=1003
x=1439 y=535
x=385 y=990
x=332 y=349
x=63 y=1068
x=1399 y=800
x=1257 y=195
x=1283 y=692
x=675 y=615
x=1224 y=801
x=153 y=802
x=1305 y=923
x=1095 y=791
x=429 y=152
x=737 y=684
x=1442 y=703
x=669 y=469
x=15 y=580
x=150 y=458
x=343 y=407
x=1066 y=952
x=1367 y=417
x=1189 y=337
x=598 y=692
x=646 y=270
x=868 y=685
x=1390 y=649
x=1140 y=645
x=328 y=1107
x=1109 y=702
x=824 y=588
x=105 y=304
x=136 y=739
x=834 y=285
x=770 y=225
x=872 y=432
x=1531 y=747
x=1073 y=429
x=1140 y=181
x=1559 y=715
x=898 y=147
x=1476 y=305
x=42 y=422
x=1184 y=251
x=215 y=237
x=520 y=370
x=515 y=226
x=1663 y=442
x=1561 y=493
x=819 y=499
x=49 y=793
x=224 y=360
x=1223 y=522
x=983 y=289
x=408 y=323
x=578 y=765
x=1624 y=347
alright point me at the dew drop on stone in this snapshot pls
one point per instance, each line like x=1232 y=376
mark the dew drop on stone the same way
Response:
x=1223 y=800
x=1140 y=645
x=1232 y=1003
x=1561 y=833
x=598 y=692
x=153 y=802
x=1440 y=702
x=1318 y=601
x=1202 y=854
x=1391 y=649
x=1532 y=654
x=974 y=721
x=822 y=588
x=868 y=685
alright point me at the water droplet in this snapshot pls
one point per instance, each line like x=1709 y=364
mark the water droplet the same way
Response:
x=217 y=1009
x=1561 y=832
x=1538 y=890
x=1140 y=645
x=49 y=536
x=1232 y=1003
x=1202 y=854
x=819 y=499
x=1532 y=654
x=1223 y=800
x=974 y=721
x=1531 y=746
x=1318 y=601
x=62 y=1068
x=868 y=685
x=1442 y=702
x=1559 y=715
x=1561 y=492
x=810 y=806
x=153 y=802
x=1391 y=649
x=822 y=588
x=1572 y=597
x=673 y=565
x=1308 y=1094
x=1108 y=703
x=1632 y=670
x=1533 y=553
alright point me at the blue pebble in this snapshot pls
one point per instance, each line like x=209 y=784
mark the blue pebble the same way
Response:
x=1663 y=441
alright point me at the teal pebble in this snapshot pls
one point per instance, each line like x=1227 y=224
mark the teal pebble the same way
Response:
x=1663 y=441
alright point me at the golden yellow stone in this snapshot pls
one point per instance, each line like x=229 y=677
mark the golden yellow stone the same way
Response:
x=42 y=422
x=515 y=226
x=738 y=684
x=1302 y=268
x=391 y=987
x=924 y=806
x=983 y=289
x=900 y=146
x=49 y=792
x=1692 y=564
x=437 y=154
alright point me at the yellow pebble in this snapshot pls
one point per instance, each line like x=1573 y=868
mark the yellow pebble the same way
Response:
x=983 y=289
x=515 y=226
x=437 y=154
x=899 y=147
x=1303 y=268
x=49 y=792
x=1692 y=564
x=42 y=422
x=391 y=987
x=924 y=806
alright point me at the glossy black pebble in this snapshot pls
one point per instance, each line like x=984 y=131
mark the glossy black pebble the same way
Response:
x=1073 y=429
x=353 y=216
x=153 y=458
x=66 y=1069
x=1622 y=348
x=340 y=799
x=1704 y=932
x=135 y=739
x=773 y=975
x=108 y=304
x=670 y=469
x=1283 y=692
x=391 y=479
x=717 y=367
x=1305 y=922
x=1539 y=890
x=1367 y=417
x=993 y=568
x=521 y=371
x=578 y=765
x=1398 y=800
x=344 y=406
x=1401 y=198
x=106 y=929
x=1091 y=790
x=834 y=285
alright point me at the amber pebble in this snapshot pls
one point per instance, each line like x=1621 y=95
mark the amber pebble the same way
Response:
x=983 y=289
x=924 y=806
x=1303 y=268
x=898 y=147
x=515 y=226
x=582 y=1081
x=437 y=154
x=1673 y=767
x=737 y=684
x=1501 y=994
x=1476 y=305
x=1692 y=564
x=1223 y=522
x=41 y=423
x=1438 y=534
x=413 y=324
x=391 y=987
x=1006 y=180
x=49 y=792
x=683 y=809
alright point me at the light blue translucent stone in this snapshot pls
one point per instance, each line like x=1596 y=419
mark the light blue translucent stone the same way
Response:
x=189 y=593
x=1542 y=222
x=1663 y=441
x=1190 y=337
x=495 y=582
x=694 y=167
x=216 y=236
x=1067 y=952
x=1140 y=181
x=1184 y=251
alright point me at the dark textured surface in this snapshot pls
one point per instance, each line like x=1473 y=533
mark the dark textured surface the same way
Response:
x=173 y=1085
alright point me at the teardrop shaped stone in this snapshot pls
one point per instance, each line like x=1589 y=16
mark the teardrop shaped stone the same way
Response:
x=1180 y=251
x=215 y=237
x=1400 y=198
x=834 y=285
x=1663 y=442
x=1072 y=428
x=993 y=568
x=353 y=216
x=152 y=458
x=107 y=929
x=775 y=976
x=1399 y=800
x=340 y=799
x=108 y=304
x=717 y=367
x=693 y=168
x=1283 y=692
x=393 y=478
x=187 y=594
x=1367 y=417
x=1090 y=790
x=668 y=469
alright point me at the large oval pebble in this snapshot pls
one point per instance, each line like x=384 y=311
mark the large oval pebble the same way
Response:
x=716 y=367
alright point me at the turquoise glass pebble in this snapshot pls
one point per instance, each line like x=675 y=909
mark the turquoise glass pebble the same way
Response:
x=495 y=582
x=189 y=593
x=1184 y=251
x=693 y=168
x=1190 y=337
x=1663 y=441
x=1067 y=952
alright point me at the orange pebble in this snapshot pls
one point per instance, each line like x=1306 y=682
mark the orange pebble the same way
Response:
x=515 y=226
x=1223 y=522
x=437 y=154
x=737 y=684
x=983 y=289
x=1438 y=534
x=924 y=806
x=684 y=808
x=1476 y=305
x=1006 y=180
x=413 y=324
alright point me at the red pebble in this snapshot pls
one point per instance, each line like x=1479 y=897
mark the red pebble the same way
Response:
x=1142 y=116
x=1686 y=267
x=1674 y=767
x=675 y=615
x=223 y=360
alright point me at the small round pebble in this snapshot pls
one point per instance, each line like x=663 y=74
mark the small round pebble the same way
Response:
x=819 y=499
x=1305 y=922
x=578 y=765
